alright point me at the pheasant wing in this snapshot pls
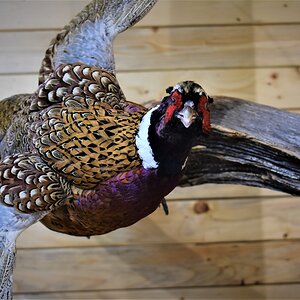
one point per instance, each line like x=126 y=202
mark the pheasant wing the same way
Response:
x=88 y=38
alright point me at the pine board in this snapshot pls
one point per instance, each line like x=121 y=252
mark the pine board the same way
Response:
x=220 y=191
x=257 y=219
x=30 y=14
x=173 y=48
x=277 y=87
x=253 y=292
x=157 y=266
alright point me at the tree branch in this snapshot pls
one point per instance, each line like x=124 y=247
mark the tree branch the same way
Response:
x=249 y=144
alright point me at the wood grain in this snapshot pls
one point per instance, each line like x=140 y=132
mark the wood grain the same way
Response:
x=211 y=191
x=190 y=221
x=208 y=47
x=18 y=15
x=171 y=48
x=257 y=292
x=278 y=87
x=249 y=144
x=156 y=266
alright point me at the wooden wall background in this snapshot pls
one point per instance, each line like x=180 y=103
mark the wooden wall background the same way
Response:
x=247 y=244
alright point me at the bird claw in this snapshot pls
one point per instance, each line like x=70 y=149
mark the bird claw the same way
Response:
x=165 y=206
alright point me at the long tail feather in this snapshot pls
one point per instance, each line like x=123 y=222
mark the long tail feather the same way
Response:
x=89 y=36
x=12 y=223
x=7 y=262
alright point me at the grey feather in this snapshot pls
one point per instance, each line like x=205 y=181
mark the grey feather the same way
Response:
x=89 y=36
x=12 y=224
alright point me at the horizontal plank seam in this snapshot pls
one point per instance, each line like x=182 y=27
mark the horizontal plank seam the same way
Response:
x=252 y=67
x=267 y=67
x=258 y=197
x=160 y=288
x=177 y=69
x=147 y=27
x=151 y=244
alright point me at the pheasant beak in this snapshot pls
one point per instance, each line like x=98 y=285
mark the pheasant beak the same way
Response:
x=187 y=115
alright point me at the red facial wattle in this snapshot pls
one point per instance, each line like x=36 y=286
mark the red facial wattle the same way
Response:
x=203 y=102
x=177 y=98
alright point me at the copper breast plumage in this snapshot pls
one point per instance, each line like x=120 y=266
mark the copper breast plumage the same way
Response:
x=84 y=129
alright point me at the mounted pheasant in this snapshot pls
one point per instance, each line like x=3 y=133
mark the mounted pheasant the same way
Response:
x=76 y=154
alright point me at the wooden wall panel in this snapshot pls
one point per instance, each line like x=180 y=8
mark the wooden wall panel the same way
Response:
x=208 y=47
x=277 y=87
x=172 y=48
x=191 y=221
x=32 y=14
x=157 y=266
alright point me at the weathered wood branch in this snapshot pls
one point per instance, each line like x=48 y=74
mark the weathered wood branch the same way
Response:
x=249 y=144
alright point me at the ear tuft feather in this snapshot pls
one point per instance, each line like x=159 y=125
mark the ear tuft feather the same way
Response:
x=210 y=100
x=169 y=89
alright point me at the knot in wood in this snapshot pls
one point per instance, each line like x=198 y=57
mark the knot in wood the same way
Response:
x=201 y=207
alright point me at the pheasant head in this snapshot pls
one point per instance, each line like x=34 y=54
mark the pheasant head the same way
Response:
x=172 y=127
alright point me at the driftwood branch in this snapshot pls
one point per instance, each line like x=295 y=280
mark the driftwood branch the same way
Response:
x=249 y=144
